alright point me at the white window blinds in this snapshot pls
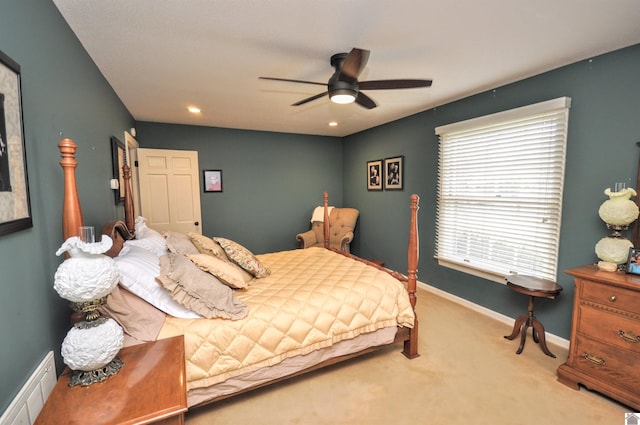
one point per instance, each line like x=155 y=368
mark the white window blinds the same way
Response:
x=500 y=191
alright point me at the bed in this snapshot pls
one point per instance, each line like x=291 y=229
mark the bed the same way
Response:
x=249 y=320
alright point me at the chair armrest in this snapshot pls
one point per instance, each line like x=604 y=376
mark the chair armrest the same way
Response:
x=346 y=240
x=307 y=238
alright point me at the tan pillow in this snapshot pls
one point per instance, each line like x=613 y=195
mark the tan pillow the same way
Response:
x=206 y=245
x=243 y=257
x=197 y=290
x=180 y=243
x=228 y=273
x=139 y=319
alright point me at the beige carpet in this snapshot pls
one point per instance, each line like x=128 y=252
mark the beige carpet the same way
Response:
x=467 y=373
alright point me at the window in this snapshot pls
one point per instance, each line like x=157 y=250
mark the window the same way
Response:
x=500 y=191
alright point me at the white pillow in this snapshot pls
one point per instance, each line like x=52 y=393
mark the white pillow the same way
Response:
x=148 y=238
x=140 y=226
x=157 y=247
x=138 y=271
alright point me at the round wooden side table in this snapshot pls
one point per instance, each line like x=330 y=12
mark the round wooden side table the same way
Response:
x=534 y=287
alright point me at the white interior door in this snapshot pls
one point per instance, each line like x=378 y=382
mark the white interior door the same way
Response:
x=170 y=189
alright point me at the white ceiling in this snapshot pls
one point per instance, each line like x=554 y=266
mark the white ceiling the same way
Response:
x=162 y=56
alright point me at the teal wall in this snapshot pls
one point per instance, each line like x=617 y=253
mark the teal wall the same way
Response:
x=271 y=181
x=62 y=91
x=604 y=126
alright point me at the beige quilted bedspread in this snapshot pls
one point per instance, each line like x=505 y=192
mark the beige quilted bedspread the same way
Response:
x=313 y=298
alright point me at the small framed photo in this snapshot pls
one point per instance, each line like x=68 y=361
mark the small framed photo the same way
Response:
x=394 y=173
x=212 y=180
x=374 y=175
x=633 y=261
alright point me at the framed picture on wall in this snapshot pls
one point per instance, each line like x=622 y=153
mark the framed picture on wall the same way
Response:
x=394 y=173
x=633 y=261
x=213 y=180
x=15 y=206
x=374 y=175
x=118 y=159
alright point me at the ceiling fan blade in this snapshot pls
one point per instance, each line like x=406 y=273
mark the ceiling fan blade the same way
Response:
x=292 y=81
x=309 y=99
x=353 y=64
x=365 y=101
x=393 y=84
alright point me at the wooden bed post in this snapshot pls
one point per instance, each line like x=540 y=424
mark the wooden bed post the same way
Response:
x=411 y=345
x=71 y=212
x=409 y=336
x=129 y=219
x=325 y=224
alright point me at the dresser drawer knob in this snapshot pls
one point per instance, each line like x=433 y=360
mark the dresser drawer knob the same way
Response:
x=612 y=298
x=628 y=336
x=594 y=359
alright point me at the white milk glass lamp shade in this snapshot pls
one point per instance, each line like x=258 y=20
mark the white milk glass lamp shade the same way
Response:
x=92 y=347
x=619 y=209
x=87 y=275
x=613 y=250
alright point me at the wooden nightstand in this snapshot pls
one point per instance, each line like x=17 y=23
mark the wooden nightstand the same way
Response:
x=604 y=353
x=149 y=389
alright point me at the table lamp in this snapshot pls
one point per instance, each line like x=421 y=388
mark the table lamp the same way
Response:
x=617 y=212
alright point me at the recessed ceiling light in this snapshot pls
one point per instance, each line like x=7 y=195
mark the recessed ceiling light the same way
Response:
x=333 y=124
x=193 y=109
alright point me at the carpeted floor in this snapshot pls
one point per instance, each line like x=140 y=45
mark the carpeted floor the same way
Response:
x=467 y=373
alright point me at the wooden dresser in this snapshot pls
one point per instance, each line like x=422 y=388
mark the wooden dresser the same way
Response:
x=604 y=354
x=150 y=388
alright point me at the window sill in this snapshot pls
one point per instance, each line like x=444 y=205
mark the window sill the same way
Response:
x=496 y=277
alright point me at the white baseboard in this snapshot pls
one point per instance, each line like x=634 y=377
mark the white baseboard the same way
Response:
x=25 y=407
x=551 y=338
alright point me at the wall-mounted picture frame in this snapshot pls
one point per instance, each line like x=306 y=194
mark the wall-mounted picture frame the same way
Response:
x=633 y=261
x=118 y=159
x=15 y=205
x=374 y=175
x=394 y=173
x=212 y=180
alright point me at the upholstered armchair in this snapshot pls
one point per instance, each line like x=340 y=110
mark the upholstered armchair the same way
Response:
x=342 y=222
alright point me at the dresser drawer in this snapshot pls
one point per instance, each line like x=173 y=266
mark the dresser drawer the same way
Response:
x=608 y=363
x=612 y=328
x=611 y=296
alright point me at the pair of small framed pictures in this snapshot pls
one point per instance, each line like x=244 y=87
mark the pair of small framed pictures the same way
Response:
x=385 y=173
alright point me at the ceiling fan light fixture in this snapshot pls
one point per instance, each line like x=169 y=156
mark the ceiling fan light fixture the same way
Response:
x=343 y=96
x=343 y=86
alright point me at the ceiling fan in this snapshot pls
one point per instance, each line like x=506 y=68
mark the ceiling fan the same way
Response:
x=343 y=86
